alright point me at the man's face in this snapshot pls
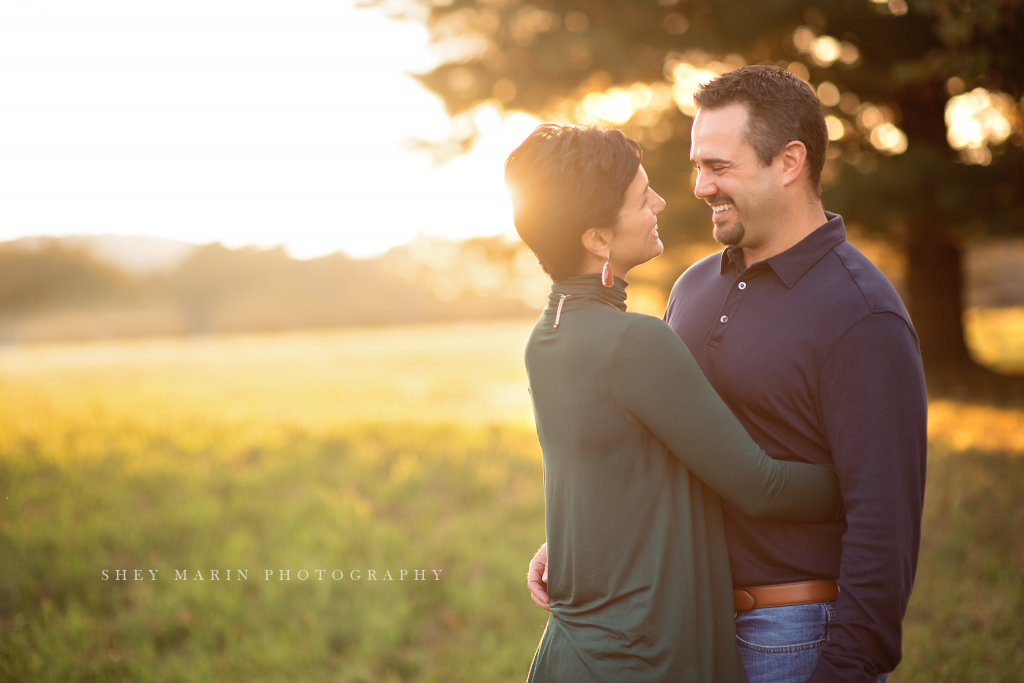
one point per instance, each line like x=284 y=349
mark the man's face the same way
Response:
x=744 y=196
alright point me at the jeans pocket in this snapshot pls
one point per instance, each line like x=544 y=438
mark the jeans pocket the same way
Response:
x=793 y=628
x=782 y=649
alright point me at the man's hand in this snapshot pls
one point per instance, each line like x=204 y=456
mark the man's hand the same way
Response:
x=537 y=578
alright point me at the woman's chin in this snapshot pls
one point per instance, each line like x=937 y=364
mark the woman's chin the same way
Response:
x=657 y=248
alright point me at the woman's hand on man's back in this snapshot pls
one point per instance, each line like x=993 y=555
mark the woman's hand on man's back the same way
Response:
x=537 y=578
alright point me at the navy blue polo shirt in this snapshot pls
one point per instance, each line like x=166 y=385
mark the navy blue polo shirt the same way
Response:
x=814 y=352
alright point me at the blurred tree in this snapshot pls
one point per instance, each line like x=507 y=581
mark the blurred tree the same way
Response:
x=52 y=276
x=922 y=98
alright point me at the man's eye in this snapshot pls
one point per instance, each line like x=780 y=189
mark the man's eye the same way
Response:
x=718 y=169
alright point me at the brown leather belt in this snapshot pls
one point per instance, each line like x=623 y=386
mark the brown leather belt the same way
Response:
x=782 y=594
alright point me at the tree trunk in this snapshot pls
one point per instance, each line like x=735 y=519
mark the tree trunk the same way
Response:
x=935 y=285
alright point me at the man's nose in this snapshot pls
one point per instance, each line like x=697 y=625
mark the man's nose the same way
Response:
x=703 y=187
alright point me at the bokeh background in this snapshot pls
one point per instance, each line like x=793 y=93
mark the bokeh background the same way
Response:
x=262 y=307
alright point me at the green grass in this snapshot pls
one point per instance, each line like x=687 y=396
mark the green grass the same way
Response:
x=385 y=449
x=966 y=618
x=402 y=497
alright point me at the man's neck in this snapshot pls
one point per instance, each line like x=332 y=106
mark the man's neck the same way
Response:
x=791 y=229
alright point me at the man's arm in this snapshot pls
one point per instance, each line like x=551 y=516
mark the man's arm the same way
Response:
x=874 y=411
x=537 y=578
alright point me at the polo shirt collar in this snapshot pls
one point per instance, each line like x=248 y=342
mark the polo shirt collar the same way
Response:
x=791 y=264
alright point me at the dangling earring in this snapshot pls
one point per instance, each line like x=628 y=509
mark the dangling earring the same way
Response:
x=607 y=279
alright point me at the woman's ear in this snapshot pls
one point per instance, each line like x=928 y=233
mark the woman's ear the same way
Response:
x=597 y=241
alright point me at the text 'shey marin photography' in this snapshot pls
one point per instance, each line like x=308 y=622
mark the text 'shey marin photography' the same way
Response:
x=273 y=575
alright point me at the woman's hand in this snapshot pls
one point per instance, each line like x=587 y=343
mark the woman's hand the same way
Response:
x=537 y=578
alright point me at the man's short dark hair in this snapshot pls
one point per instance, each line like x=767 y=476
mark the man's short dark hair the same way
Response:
x=564 y=180
x=781 y=108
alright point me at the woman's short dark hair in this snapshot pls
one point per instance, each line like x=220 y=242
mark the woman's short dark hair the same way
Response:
x=564 y=180
x=781 y=108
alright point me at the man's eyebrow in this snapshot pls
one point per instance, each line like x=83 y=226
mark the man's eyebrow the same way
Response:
x=712 y=162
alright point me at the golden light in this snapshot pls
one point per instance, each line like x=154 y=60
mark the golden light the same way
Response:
x=977 y=119
x=676 y=24
x=955 y=86
x=980 y=156
x=661 y=96
x=576 y=21
x=735 y=61
x=529 y=21
x=848 y=52
x=462 y=79
x=803 y=38
x=836 y=130
x=640 y=95
x=898 y=7
x=826 y=51
x=504 y=90
x=687 y=79
x=869 y=116
x=799 y=70
x=641 y=102
x=618 y=106
x=828 y=94
x=888 y=139
x=614 y=105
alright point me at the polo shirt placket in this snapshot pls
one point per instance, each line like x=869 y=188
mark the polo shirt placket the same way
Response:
x=733 y=300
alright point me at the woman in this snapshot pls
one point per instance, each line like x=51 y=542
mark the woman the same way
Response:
x=637 y=446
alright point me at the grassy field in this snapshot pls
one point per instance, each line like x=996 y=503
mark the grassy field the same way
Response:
x=391 y=449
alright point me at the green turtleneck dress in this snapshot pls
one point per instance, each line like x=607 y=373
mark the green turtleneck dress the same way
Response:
x=637 y=450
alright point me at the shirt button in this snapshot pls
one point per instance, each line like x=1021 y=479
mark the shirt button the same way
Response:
x=742 y=285
x=724 y=318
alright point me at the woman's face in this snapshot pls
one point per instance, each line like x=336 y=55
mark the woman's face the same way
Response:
x=635 y=239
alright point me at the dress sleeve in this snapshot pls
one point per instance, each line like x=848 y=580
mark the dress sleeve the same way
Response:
x=659 y=385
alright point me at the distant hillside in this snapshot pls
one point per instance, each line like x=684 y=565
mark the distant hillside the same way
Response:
x=54 y=289
x=133 y=254
x=87 y=287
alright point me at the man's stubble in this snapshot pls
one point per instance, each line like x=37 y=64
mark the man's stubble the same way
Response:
x=730 y=235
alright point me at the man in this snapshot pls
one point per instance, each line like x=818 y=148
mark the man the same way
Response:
x=811 y=348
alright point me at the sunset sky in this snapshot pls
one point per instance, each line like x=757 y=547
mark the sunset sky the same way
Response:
x=256 y=122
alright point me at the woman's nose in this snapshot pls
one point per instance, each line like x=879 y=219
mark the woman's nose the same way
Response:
x=661 y=203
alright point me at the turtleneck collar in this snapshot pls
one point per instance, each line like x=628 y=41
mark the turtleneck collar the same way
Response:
x=589 y=287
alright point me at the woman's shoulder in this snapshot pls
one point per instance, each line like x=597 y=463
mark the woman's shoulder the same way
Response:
x=607 y=327
x=645 y=338
x=646 y=326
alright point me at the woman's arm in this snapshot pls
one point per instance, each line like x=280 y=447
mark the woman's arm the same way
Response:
x=657 y=381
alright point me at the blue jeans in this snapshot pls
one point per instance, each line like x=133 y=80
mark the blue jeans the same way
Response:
x=782 y=644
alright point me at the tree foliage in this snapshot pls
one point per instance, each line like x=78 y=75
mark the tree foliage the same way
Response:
x=886 y=73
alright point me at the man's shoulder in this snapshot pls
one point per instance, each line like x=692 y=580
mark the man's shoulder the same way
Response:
x=709 y=266
x=867 y=281
x=702 y=273
x=694 y=285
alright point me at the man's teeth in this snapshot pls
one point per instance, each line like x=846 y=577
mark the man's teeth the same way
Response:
x=721 y=207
